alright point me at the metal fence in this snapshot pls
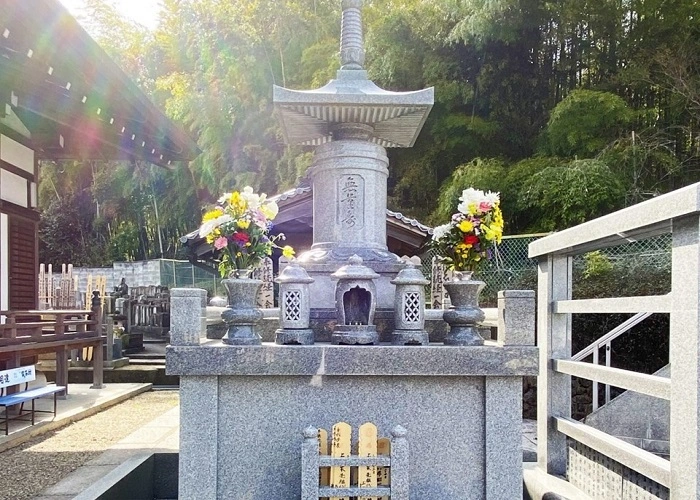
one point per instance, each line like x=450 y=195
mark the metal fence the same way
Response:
x=511 y=269
x=182 y=274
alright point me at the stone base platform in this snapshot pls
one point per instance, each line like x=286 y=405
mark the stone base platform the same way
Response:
x=243 y=410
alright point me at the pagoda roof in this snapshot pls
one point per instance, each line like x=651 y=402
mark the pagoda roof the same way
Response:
x=74 y=102
x=308 y=116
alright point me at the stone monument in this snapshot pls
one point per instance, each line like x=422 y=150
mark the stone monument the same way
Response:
x=350 y=121
x=243 y=408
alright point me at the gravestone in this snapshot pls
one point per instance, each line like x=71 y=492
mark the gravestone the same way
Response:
x=264 y=272
x=439 y=298
x=351 y=122
x=243 y=408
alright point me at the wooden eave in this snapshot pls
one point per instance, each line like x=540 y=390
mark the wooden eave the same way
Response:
x=77 y=103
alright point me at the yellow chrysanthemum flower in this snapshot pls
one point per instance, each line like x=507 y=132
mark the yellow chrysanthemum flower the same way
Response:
x=243 y=223
x=288 y=252
x=212 y=214
x=237 y=202
x=465 y=226
x=269 y=210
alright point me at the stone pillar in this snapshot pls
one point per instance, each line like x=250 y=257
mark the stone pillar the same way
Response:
x=199 y=438
x=516 y=327
x=349 y=189
x=685 y=359
x=187 y=315
x=503 y=451
x=516 y=317
x=554 y=342
x=309 y=464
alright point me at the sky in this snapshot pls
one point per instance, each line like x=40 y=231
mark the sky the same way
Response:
x=142 y=11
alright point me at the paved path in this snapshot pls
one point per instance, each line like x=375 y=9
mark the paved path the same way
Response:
x=81 y=402
x=529 y=440
x=47 y=463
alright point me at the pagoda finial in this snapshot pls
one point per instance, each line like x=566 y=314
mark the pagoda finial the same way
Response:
x=352 y=53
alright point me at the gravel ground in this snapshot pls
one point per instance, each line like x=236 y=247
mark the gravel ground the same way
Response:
x=32 y=467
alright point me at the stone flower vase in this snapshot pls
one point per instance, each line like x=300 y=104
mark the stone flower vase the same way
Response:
x=465 y=314
x=242 y=315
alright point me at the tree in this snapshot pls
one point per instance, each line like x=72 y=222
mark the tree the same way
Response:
x=563 y=196
x=481 y=173
x=585 y=122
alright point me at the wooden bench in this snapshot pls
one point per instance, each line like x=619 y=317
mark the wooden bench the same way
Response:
x=24 y=375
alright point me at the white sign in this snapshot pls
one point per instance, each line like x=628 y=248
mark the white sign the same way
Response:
x=16 y=376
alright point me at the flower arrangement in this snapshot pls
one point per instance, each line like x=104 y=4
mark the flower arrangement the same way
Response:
x=466 y=241
x=239 y=230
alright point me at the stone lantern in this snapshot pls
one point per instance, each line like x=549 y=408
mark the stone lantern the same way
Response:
x=295 y=306
x=355 y=303
x=409 y=307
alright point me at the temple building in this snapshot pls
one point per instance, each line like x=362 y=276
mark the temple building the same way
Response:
x=62 y=98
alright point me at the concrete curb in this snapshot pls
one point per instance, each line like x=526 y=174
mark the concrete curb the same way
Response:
x=539 y=485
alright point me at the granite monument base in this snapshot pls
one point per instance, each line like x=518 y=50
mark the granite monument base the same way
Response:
x=243 y=410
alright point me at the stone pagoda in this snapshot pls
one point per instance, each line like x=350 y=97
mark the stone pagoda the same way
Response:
x=350 y=121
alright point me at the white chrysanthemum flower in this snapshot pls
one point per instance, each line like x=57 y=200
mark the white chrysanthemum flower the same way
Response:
x=210 y=225
x=440 y=231
x=470 y=196
x=492 y=197
x=252 y=200
x=269 y=209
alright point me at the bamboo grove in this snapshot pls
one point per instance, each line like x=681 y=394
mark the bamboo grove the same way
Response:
x=569 y=108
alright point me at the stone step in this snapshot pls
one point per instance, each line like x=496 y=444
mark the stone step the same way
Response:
x=153 y=374
x=147 y=361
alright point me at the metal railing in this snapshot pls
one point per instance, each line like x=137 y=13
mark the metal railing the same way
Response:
x=677 y=213
x=606 y=342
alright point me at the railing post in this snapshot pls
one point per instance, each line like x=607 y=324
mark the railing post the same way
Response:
x=400 y=464
x=109 y=339
x=62 y=368
x=503 y=397
x=309 y=464
x=59 y=328
x=516 y=317
x=685 y=359
x=187 y=315
x=97 y=366
x=554 y=341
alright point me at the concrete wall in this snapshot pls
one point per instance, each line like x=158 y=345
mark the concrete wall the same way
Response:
x=142 y=273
